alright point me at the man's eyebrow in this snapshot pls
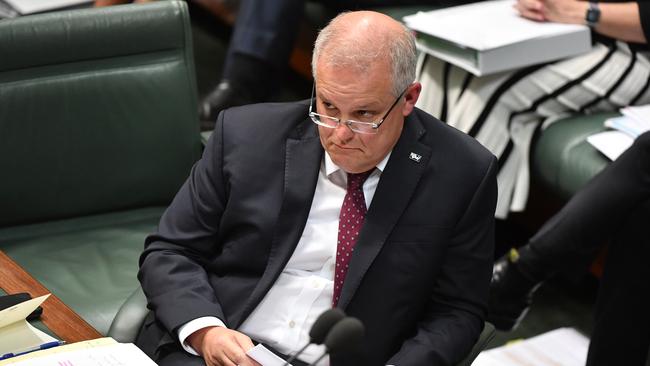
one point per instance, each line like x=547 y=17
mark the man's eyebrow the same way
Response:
x=371 y=106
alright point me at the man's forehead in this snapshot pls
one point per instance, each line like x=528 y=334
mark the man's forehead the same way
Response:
x=344 y=83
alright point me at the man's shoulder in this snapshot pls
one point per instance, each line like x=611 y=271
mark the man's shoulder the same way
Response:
x=266 y=113
x=448 y=141
x=264 y=125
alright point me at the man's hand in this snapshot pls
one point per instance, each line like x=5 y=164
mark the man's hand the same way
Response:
x=221 y=346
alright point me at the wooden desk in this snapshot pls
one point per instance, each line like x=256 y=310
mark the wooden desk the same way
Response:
x=57 y=316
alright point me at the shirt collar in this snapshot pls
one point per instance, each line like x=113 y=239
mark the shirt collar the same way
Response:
x=332 y=168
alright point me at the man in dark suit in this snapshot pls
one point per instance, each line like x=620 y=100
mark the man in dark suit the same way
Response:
x=276 y=223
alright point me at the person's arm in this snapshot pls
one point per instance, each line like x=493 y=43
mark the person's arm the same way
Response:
x=622 y=21
x=172 y=266
x=457 y=306
x=222 y=346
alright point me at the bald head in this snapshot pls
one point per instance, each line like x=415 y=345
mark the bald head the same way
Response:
x=365 y=39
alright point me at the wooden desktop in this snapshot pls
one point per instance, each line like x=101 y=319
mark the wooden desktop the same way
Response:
x=57 y=316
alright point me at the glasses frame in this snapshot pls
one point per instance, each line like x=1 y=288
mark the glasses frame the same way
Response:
x=350 y=123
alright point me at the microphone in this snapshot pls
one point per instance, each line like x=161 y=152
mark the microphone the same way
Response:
x=344 y=338
x=320 y=329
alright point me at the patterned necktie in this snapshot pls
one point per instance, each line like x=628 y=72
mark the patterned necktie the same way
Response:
x=351 y=219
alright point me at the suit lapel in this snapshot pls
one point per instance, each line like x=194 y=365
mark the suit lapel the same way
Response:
x=303 y=155
x=396 y=186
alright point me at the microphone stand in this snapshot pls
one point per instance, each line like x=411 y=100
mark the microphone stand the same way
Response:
x=288 y=361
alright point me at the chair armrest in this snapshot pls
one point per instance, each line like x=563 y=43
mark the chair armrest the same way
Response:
x=486 y=336
x=129 y=318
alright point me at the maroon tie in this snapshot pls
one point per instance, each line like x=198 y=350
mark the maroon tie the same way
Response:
x=351 y=218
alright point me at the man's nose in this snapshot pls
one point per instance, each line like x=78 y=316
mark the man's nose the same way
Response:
x=343 y=132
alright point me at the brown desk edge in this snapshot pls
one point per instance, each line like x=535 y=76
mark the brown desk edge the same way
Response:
x=57 y=316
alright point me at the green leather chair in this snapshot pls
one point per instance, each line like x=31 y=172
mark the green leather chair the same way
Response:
x=98 y=130
x=562 y=161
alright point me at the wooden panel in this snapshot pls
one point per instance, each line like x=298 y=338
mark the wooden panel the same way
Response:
x=57 y=316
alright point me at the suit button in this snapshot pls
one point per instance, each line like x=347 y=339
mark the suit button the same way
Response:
x=292 y=324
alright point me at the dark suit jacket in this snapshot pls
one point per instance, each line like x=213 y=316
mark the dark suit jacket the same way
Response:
x=419 y=276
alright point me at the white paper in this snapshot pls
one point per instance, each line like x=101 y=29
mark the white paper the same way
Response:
x=627 y=125
x=16 y=334
x=34 y=6
x=264 y=357
x=490 y=36
x=485 y=25
x=559 y=347
x=639 y=113
x=611 y=143
x=120 y=354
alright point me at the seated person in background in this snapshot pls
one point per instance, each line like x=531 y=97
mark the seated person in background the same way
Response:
x=503 y=110
x=252 y=248
x=615 y=206
x=258 y=54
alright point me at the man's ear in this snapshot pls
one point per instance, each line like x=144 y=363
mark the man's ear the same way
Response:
x=411 y=97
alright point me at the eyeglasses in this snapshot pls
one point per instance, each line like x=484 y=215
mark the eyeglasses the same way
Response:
x=365 y=127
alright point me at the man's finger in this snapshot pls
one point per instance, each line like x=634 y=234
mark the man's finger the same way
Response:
x=244 y=342
x=237 y=355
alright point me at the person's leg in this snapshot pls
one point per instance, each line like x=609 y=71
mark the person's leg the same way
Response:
x=593 y=215
x=622 y=319
x=258 y=53
x=573 y=235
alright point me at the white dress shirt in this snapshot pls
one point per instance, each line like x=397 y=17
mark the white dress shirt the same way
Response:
x=304 y=289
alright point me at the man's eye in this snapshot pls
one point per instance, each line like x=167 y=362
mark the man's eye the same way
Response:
x=328 y=105
x=364 y=114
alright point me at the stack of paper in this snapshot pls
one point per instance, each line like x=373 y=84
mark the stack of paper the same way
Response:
x=560 y=347
x=490 y=36
x=16 y=334
x=117 y=354
x=626 y=128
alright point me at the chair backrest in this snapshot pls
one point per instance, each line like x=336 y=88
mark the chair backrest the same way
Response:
x=97 y=110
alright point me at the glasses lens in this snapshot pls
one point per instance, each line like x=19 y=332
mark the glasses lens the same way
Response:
x=326 y=121
x=362 y=127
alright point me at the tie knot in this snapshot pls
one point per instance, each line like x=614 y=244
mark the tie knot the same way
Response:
x=356 y=180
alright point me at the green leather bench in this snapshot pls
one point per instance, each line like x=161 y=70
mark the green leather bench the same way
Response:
x=98 y=130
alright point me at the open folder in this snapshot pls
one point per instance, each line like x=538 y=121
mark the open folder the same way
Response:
x=16 y=334
x=490 y=36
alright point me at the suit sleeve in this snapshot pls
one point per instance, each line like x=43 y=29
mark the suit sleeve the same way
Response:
x=172 y=270
x=458 y=303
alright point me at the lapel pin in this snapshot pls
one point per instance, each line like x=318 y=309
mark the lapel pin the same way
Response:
x=415 y=157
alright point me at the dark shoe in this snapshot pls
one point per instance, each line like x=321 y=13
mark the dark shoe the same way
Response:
x=511 y=293
x=227 y=94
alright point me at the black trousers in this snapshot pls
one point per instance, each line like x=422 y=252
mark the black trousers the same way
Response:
x=621 y=334
x=593 y=216
x=614 y=207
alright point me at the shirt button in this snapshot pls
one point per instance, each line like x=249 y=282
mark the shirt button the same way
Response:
x=292 y=324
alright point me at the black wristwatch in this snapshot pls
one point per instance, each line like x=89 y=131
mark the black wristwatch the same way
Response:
x=593 y=14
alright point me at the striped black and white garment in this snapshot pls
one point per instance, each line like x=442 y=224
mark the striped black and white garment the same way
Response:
x=504 y=110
